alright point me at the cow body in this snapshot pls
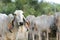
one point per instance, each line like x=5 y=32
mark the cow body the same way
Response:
x=3 y=24
x=57 y=23
x=43 y=23
x=7 y=22
x=40 y=24
x=30 y=18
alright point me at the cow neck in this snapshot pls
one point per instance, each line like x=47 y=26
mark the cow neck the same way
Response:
x=13 y=22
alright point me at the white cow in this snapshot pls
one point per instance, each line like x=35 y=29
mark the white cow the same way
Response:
x=8 y=21
x=29 y=19
x=41 y=23
x=57 y=22
x=3 y=25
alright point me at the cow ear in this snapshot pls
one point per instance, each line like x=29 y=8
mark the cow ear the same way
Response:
x=28 y=23
x=10 y=25
x=11 y=17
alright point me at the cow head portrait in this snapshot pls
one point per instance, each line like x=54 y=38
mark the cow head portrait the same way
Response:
x=17 y=18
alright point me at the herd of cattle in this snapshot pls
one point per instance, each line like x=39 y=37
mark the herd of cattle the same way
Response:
x=17 y=27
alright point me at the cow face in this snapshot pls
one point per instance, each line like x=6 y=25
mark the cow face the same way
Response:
x=18 y=15
x=16 y=19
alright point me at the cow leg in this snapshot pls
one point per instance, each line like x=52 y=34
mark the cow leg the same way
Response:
x=56 y=35
x=47 y=36
x=39 y=36
x=30 y=36
x=1 y=38
x=33 y=36
x=59 y=35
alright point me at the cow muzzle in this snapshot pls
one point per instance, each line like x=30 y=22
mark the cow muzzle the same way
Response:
x=20 y=23
x=10 y=31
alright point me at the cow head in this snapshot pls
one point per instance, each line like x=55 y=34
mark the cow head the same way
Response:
x=18 y=18
x=18 y=15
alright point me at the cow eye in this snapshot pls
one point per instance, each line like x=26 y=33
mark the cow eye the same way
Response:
x=14 y=14
x=32 y=28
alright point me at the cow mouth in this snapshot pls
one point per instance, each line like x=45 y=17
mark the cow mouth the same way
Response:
x=10 y=31
x=20 y=24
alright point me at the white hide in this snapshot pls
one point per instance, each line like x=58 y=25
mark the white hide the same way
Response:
x=44 y=22
x=3 y=25
x=3 y=22
x=30 y=18
x=19 y=15
x=57 y=18
x=22 y=33
x=11 y=17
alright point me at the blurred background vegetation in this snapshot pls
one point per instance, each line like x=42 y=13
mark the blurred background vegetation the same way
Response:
x=30 y=7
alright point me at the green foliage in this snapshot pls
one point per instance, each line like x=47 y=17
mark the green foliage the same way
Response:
x=6 y=1
x=28 y=10
x=20 y=3
x=30 y=7
x=9 y=8
x=1 y=6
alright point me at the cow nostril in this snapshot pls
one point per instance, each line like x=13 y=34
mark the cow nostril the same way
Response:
x=32 y=28
x=21 y=23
